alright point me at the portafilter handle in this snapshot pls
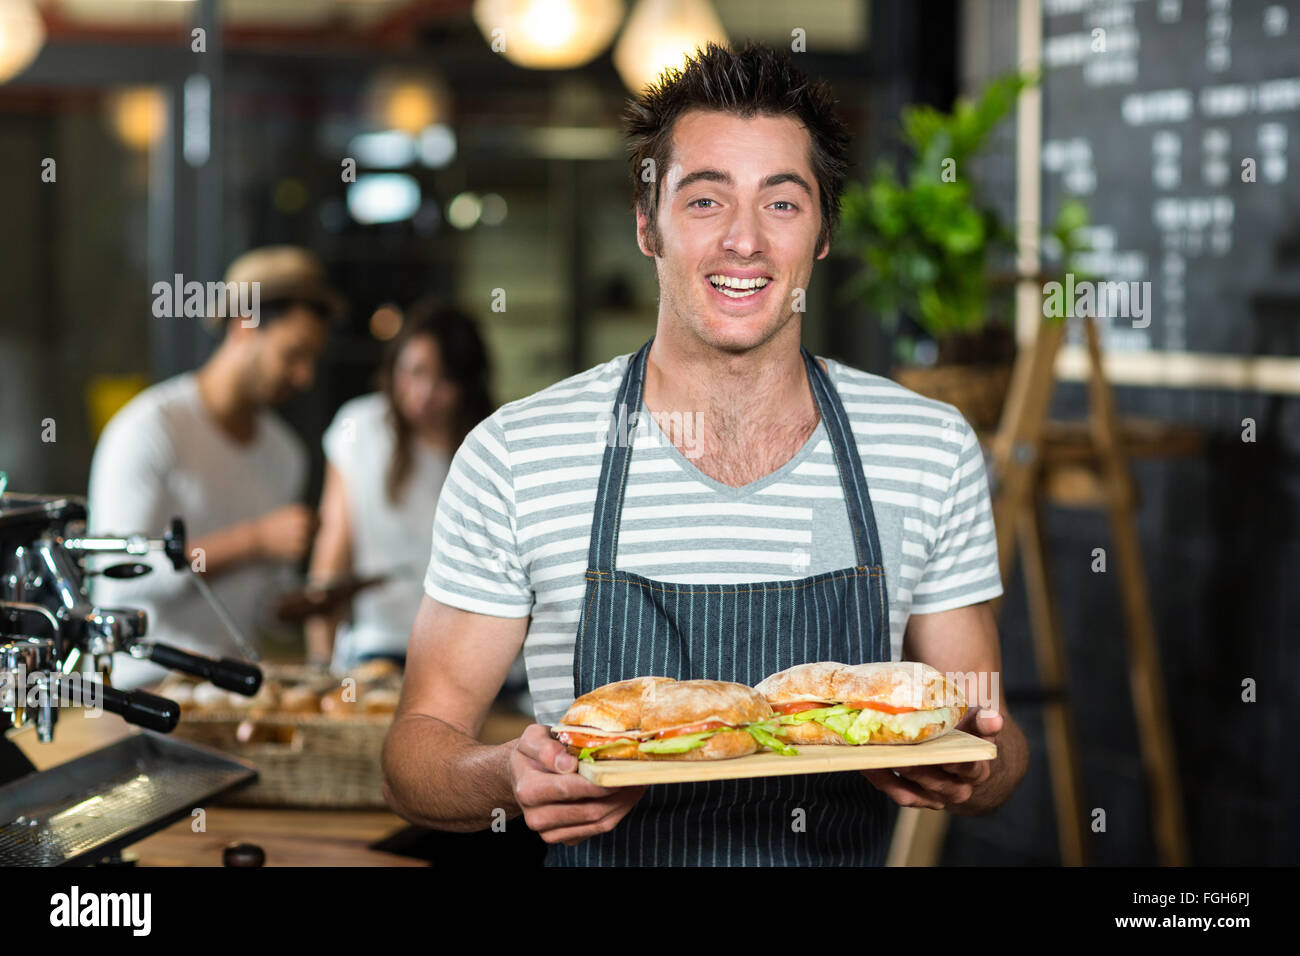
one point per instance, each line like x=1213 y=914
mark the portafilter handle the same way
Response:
x=227 y=673
x=139 y=707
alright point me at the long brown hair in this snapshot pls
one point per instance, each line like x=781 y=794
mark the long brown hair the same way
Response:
x=464 y=361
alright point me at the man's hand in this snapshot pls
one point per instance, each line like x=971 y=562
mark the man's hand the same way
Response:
x=558 y=803
x=940 y=786
x=285 y=534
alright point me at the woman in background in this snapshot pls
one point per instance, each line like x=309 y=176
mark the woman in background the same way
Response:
x=387 y=454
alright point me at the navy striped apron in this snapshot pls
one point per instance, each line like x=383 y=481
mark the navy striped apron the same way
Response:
x=632 y=626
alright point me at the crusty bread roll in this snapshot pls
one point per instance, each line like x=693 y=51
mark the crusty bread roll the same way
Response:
x=811 y=682
x=299 y=700
x=809 y=732
x=647 y=705
x=904 y=684
x=676 y=703
x=615 y=706
x=900 y=684
x=208 y=696
x=267 y=697
x=182 y=692
x=375 y=669
x=381 y=700
x=340 y=703
x=721 y=746
x=896 y=683
x=945 y=719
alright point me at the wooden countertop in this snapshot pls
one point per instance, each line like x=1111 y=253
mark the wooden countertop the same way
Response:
x=288 y=837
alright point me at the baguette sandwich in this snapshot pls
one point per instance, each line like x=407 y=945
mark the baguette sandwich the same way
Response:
x=658 y=718
x=889 y=702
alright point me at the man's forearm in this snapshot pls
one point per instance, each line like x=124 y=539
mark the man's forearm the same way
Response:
x=226 y=548
x=438 y=777
x=1005 y=774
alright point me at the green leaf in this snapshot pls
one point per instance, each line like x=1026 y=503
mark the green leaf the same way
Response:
x=815 y=713
x=676 y=745
x=764 y=734
x=586 y=752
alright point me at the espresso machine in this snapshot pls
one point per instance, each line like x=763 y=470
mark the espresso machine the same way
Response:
x=56 y=647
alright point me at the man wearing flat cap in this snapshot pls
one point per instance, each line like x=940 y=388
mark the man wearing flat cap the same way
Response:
x=204 y=445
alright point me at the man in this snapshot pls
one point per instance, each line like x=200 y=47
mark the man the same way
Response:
x=203 y=445
x=668 y=573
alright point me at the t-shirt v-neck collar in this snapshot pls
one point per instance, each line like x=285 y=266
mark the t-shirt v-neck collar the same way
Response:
x=728 y=491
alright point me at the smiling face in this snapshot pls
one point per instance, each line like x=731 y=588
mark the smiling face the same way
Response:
x=738 y=222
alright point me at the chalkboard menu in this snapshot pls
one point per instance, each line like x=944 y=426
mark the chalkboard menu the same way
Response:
x=1177 y=122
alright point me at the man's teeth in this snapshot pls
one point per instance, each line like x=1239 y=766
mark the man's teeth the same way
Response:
x=737 y=288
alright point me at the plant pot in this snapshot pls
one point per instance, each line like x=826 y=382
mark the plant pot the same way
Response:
x=973 y=372
x=978 y=391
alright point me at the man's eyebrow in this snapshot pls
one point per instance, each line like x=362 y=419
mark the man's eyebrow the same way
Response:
x=788 y=177
x=719 y=176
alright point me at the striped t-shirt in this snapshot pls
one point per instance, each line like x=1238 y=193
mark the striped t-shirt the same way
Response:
x=513 y=524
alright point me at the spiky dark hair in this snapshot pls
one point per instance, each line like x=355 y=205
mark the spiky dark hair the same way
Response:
x=757 y=80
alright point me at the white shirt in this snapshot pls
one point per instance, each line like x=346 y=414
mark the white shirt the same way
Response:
x=163 y=455
x=385 y=537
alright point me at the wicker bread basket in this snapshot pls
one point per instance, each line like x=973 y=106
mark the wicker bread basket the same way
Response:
x=312 y=760
x=302 y=760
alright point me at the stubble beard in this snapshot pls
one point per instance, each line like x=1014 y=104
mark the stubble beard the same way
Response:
x=692 y=310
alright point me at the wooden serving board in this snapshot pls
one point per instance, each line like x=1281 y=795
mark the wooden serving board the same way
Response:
x=956 y=746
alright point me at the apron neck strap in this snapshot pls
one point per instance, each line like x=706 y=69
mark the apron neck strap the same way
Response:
x=606 y=519
x=862 y=517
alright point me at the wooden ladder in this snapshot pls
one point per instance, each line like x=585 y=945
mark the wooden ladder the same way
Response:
x=1074 y=464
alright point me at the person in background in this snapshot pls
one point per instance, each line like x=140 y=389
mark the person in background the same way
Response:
x=205 y=445
x=387 y=454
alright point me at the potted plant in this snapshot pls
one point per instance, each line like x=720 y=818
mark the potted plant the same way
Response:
x=926 y=244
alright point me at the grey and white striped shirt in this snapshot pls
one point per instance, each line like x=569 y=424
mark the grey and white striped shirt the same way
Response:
x=513 y=523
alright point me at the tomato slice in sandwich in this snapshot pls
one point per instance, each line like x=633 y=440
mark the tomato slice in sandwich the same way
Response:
x=576 y=739
x=795 y=706
x=887 y=708
x=691 y=729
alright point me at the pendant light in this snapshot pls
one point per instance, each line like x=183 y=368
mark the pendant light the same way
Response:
x=548 y=34
x=662 y=33
x=22 y=34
